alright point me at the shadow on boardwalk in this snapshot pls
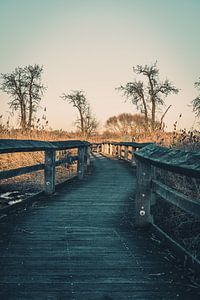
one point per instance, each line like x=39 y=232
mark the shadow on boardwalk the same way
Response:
x=79 y=244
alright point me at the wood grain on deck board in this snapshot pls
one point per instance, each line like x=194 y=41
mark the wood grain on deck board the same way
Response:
x=79 y=244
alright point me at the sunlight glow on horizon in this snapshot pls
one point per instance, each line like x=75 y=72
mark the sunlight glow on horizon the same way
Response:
x=93 y=46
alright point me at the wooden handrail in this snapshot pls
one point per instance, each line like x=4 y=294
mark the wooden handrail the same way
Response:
x=177 y=161
x=120 y=150
x=49 y=167
x=147 y=159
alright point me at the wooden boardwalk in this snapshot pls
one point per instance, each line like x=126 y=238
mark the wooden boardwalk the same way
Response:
x=80 y=244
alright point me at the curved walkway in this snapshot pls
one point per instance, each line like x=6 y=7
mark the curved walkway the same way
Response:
x=79 y=244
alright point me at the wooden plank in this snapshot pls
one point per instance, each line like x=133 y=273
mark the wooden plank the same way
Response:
x=13 y=145
x=25 y=170
x=65 y=160
x=143 y=194
x=178 y=161
x=81 y=162
x=49 y=172
x=135 y=145
x=133 y=157
x=88 y=161
x=126 y=152
x=70 y=144
x=81 y=245
x=20 y=171
x=189 y=205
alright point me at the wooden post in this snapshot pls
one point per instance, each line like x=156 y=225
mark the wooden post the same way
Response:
x=119 y=151
x=85 y=159
x=116 y=150
x=88 y=150
x=143 y=194
x=133 y=157
x=102 y=148
x=49 y=171
x=107 y=148
x=81 y=162
x=126 y=152
x=111 y=150
x=153 y=198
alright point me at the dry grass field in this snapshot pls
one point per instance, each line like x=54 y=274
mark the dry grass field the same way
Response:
x=23 y=186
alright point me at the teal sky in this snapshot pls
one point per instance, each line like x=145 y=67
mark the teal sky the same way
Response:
x=92 y=45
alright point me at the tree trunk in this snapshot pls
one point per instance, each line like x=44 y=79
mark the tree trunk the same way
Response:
x=145 y=113
x=153 y=114
x=153 y=103
x=30 y=111
x=30 y=115
x=23 y=123
x=82 y=122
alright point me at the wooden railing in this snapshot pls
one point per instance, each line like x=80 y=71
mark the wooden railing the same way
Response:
x=148 y=184
x=50 y=162
x=120 y=150
x=149 y=160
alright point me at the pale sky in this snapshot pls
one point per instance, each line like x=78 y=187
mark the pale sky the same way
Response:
x=92 y=45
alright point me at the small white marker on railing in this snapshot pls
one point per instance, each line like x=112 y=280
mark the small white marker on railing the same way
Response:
x=142 y=211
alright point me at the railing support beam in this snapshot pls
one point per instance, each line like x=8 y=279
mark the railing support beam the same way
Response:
x=126 y=152
x=143 y=194
x=81 y=162
x=49 y=171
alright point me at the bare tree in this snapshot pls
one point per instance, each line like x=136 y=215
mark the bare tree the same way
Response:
x=148 y=96
x=35 y=89
x=91 y=123
x=24 y=87
x=86 y=122
x=126 y=124
x=196 y=101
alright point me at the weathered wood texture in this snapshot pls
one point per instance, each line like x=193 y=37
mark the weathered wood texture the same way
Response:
x=148 y=159
x=50 y=148
x=121 y=150
x=81 y=162
x=143 y=194
x=178 y=161
x=181 y=162
x=148 y=187
x=12 y=145
x=62 y=145
x=49 y=172
x=184 y=202
x=79 y=245
x=20 y=171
